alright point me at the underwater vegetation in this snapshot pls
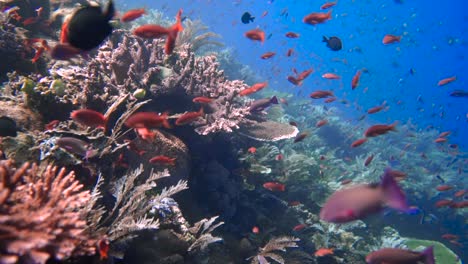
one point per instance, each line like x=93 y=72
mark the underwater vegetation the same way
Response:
x=127 y=136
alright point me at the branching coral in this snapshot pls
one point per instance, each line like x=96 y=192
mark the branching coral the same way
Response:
x=42 y=215
x=275 y=244
x=202 y=232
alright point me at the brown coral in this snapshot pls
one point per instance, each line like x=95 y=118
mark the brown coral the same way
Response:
x=42 y=214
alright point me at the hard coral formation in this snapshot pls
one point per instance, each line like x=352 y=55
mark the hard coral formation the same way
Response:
x=42 y=214
x=267 y=130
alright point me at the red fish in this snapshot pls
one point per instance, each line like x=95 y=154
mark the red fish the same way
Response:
x=368 y=160
x=321 y=123
x=202 y=100
x=103 y=246
x=446 y=80
x=64 y=32
x=253 y=89
x=330 y=76
x=440 y=140
x=301 y=137
x=173 y=32
x=292 y=35
x=64 y=52
x=151 y=31
x=268 y=55
x=459 y=193
x=328 y=5
x=133 y=14
x=376 y=109
x=290 y=52
x=400 y=256
x=321 y=94
x=304 y=74
x=330 y=100
x=397 y=175
x=189 y=117
x=256 y=34
x=274 y=186
x=145 y=134
x=389 y=39
x=89 y=118
x=450 y=237
x=161 y=159
x=443 y=188
x=299 y=227
x=316 y=18
x=147 y=120
x=279 y=157
x=358 y=142
x=52 y=124
x=359 y=201
x=347 y=181
x=378 y=130
x=255 y=230
x=38 y=54
x=355 y=80
x=252 y=150
x=444 y=134
x=321 y=252
x=443 y=203
x=294 y=203
x=294 y=80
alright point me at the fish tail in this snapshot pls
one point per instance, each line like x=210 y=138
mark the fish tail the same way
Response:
x=324 y=39
x=110 y=10
x=428 y=255
x=393 y=195
x=393 y=126
x=329 y=14
x=274 y=100
x=166 y=123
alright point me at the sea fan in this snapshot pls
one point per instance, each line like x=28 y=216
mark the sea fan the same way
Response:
x=202 y=231
x=275 y=244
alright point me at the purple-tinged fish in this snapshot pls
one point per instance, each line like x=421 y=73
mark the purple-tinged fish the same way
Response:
x=359 y=201
x=401 y=256
x=262 y=104
x=76 y=146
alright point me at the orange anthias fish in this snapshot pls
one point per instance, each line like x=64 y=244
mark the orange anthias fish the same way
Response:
x=355 y=80
x=147 y=120
x=133 y=14
x=252 y=150
x=274 y=186
x=378 y=130
x=323 y=252
x=321 y=123
x=376 y=109
x=292 y=35
x=316 y=18
x=151 y=31
x=446 y=80
x=163 y=160
x=330 y=76
x=254 y=88
x=389 y=39
x=89 y=118
x=321 y=94
x=189 y=117
x=256 y=34
x=327 y=5
x=443 y=188
x=268 y=55
x=103 y=247
x=290 y=52
x=300 y=137
x=299 y=227
x=202 y=100
x=358 y=142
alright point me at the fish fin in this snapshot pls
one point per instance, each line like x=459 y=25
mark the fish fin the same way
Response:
x=393 y=195
x=201 y=112
x=393 y=126
x=252 y=19
x=274 y=100
x=324 y=39
x=428 y=255
x=110 y=10
x=166 y=123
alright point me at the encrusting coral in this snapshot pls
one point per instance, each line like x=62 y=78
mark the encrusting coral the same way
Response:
x=42 y=214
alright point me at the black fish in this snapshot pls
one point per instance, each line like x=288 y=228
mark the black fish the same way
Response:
x=247 y=18
x=89 y=26
x=7 y=127
x=459 y=93
x=262 y=104
x=334 y=43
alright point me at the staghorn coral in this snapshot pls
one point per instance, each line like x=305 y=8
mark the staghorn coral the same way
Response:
x=275 y=244
x=42 y=215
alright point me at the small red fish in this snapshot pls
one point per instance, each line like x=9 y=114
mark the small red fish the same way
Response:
x=355 y=80
x=397 y=175
x=103 y=247
x=330 y=100
x=268 y=55
x=264 y=13
x=133 y=14
x=292 y=35
x=162 y=160
x=151 y=31
x=294 y=80
x=323 y=252
x=443 y=203
x=290 y=52
x=389 y=39
x=173 y=32
x=443 y=188
x=376 y=109
x=378 y=130
x=316 y=18
x=52 y=124
x=189 y=117
x=252 y=150
x=63 y=51
x=145 y=133
x=202 y=100
x=330 y=76
x=274 y=186
x=358 y=142
x=38 y=54
x=255 y=230
x=301 y=137
x=444 y=134
x=299 y=227
x=147 y=120
x=327 y=5
x=321 y=94
x=446 y=81
x=368 y=160
x=450 y=237
x=256 y=35
x=294 y=203
x=440 y=140
x=89 y=118
x=279 y=157
x=321 y=123
x=460 y=193
x=304 y=74
x=254 y=88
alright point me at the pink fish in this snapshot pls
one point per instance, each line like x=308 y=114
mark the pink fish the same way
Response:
x=359 y=201
x=397 y=255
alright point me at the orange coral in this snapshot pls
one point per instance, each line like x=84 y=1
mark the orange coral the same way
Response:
x=42 y=214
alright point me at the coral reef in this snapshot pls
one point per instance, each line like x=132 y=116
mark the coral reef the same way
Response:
x=42 y=215
x=275 y=244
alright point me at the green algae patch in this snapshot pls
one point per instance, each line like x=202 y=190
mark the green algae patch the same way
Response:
x=442 y=254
